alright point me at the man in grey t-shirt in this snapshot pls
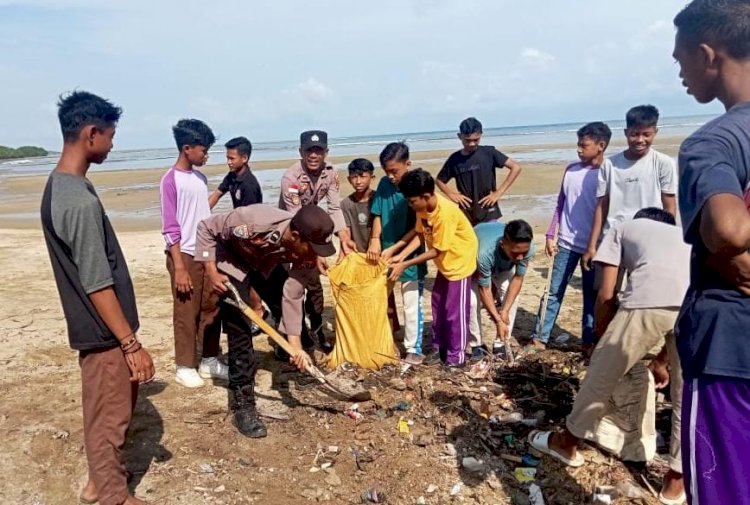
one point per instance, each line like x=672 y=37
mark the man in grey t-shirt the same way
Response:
x=634 y=179
x=650 y=249
x=96 y=294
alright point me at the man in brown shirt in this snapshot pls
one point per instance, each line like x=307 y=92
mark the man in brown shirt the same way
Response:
x=250 y=247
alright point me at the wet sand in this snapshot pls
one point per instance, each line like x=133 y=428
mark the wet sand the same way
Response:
x=131 y=197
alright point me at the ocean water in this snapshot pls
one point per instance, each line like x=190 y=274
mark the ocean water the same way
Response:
x=531 y=139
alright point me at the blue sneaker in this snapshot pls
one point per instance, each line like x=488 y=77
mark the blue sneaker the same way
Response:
x=479 y=352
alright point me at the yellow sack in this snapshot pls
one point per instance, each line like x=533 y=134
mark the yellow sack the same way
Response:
x=360 y=293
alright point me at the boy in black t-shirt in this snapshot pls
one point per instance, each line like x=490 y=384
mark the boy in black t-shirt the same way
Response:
x=473 y=167
x=244 y=189
x=96 y=294
x=240 y=182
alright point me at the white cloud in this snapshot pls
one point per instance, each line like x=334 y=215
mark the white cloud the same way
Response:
x=657 y=26
x=311 y=90
x=536 y=57
x=359 y=68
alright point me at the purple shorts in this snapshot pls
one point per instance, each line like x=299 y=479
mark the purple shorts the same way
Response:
x=716 y=440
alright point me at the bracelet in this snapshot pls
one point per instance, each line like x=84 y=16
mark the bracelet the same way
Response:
x=133 y=349
x=130 y=342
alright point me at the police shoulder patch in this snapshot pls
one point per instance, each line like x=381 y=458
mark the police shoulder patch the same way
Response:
x=241 y=231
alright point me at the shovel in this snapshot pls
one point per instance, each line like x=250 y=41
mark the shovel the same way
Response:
x=545 y=295
x=342 y=389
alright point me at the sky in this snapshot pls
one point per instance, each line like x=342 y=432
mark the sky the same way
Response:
x=271 y=69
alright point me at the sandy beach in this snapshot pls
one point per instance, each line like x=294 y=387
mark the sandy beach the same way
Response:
x=183 y=448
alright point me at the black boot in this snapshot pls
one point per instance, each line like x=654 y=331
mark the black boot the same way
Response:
x=316 y=325
x=246 y=418
x=325 y=345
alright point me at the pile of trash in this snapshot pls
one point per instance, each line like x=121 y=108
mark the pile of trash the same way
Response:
x=477 y=421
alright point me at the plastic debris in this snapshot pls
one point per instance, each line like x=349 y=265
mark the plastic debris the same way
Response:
x=401 y=407
x=353 y=412
x=525 y=474
x=457 y=488
x=529 y=460
x=421 y=501
x=535 y=495
x=512 y=458
x=562 y=338
x=473 y=465
x=601 y=499
x=373 y=495
x=513 y=417
x=481 y=369
x=403 y=425
x=629 y=489
x=205 y=468
x=431 y=488
x=605 y=494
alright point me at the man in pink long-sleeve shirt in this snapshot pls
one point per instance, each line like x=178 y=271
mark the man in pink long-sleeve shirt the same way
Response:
x=184 y=203
x=571 y=223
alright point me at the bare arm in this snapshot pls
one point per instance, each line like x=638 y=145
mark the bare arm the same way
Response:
x=485 y=294
x=492 y=198
x=374 y=248
x=403 y=242
x=725 y=225
x=514 y=170
x=514 y=288
x=462 y=201
x=182 y=281
x=109 y=309
x=604 y=309
x=412 y=246
x=398 y=268
x=214 y=198
x=600 y=216
x=669 y=202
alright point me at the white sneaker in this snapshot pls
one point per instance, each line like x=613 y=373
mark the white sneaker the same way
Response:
x=212 y=368
x=188 y=377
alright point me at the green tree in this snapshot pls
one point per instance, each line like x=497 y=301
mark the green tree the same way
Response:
x=8 y=153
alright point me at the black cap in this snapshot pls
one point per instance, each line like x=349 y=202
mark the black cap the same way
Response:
x=315 y=227
x=313 y=138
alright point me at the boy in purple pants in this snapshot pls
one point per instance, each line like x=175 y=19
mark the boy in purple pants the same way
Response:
x=712 y=48
x=451 y=242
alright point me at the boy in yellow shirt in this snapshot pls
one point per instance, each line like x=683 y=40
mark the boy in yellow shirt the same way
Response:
x=452 y=244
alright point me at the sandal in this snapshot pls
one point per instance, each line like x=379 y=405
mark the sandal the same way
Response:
x=539 y=440
x=672 y=501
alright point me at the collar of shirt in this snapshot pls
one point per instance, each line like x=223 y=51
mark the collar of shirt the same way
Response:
x=243 y=173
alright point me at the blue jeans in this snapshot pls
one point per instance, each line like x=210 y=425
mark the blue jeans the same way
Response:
x=565 y=264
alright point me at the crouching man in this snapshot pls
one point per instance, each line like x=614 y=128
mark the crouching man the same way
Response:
x=650 y=249
x=252 y=247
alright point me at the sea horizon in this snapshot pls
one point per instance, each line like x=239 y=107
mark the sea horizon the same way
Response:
x=532 y=143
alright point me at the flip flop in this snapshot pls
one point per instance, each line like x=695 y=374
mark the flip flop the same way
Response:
x=673 y=501
x=539 y=440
